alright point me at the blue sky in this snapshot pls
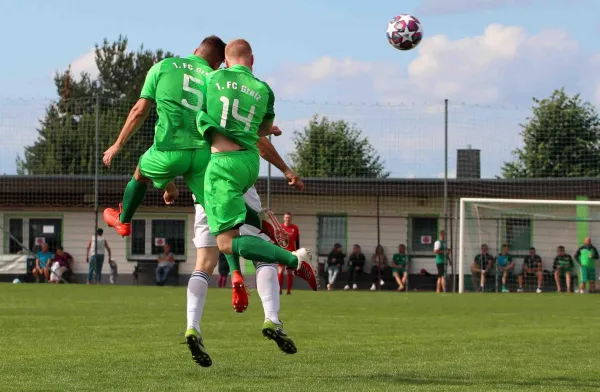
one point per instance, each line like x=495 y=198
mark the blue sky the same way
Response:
x=483 y=52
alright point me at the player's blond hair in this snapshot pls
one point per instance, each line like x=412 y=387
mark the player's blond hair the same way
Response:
x=238 y=49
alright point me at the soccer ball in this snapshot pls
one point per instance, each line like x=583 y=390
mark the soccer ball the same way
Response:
x=404 y=32
x=16 y=281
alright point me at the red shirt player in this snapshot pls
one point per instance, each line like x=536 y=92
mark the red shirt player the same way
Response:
x=294 y=244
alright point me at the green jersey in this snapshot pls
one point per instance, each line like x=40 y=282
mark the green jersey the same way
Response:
x=440 y=245
x=565 y=262
x=174 y=84
x=587 y=255
x=236 y=104
x=399 y=260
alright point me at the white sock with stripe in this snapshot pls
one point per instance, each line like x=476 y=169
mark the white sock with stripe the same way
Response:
x=196 y=297
x=267 y=286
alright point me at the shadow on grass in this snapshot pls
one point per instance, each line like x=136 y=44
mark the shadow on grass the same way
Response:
x=419 y=379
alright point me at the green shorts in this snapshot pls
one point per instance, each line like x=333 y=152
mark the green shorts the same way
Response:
x=400 y=271
x=228 y=176
x=587 y=274
x=162 y=167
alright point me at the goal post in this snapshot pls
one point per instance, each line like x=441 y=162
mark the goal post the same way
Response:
x=521 y=224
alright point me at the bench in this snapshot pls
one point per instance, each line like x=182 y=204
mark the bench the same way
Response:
x=147 y=266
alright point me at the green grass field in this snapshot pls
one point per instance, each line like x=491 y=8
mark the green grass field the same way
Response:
x=107 y=338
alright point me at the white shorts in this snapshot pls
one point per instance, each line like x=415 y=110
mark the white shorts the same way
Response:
x=57 y=272
x=202 y=236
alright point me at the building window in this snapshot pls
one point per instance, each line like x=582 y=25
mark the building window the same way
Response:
x=138 y=237
x=15 y=227
x=32 y=233
x=517 y=234
x=424 y=232
x=173 y=233
x=48 y=230
x=149 y=236
x=330 y=230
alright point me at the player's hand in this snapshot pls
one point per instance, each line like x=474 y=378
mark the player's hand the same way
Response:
x=276 y=131
x=294 y=180
x=169 y=197
x=110 y=154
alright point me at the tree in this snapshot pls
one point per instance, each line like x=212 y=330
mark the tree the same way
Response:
x=561 y=139
x=66 y=141
x=334 y=149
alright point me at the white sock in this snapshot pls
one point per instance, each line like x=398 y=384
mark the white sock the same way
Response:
x=267 y=286
x=196 y=297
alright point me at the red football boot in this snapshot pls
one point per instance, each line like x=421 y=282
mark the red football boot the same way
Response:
x=305 y=269
x=239 y=294
x=111 y=217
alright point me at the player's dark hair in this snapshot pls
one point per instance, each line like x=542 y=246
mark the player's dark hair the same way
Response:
x=560 y=247
x=532 y=248
x=99 y=231
x=505 y=245
x=59 y=248
x=288 y=213
x=213 y=49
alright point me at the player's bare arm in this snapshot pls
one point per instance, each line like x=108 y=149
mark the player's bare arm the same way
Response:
x=270 y=154
x=134 y=121
x=266 y=128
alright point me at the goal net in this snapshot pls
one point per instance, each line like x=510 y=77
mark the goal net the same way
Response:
x=510 y=230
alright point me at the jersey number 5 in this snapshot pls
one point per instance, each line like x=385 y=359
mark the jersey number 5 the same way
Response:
x=186 y=87
x=235 y=113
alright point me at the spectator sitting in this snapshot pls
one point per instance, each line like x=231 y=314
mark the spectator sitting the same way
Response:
x=505 y=265
x=532 y=265
x=400 y=266
x=166 y=261
x=335 y=261
x=563 y=263
x=63 y=262
x=356 y=263
x=379 y=262
x=42 y=267
x=481 y=264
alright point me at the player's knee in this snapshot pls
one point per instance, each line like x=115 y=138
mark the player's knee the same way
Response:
x=207 y=259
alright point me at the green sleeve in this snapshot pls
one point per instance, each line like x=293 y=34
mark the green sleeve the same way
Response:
x=149 y=89
x=270 y=114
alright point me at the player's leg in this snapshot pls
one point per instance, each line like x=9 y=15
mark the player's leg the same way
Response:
x=36 y=274
x=154 y=166
x=557 y=279
x=228 y=176
x=207 y=255
x=290 y=280
x=404 y=279
x=280 y=272
x=267 y=284
x=46 y=273
x=568 y=281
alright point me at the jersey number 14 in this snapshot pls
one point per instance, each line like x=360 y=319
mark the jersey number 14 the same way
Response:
x=235 y=113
